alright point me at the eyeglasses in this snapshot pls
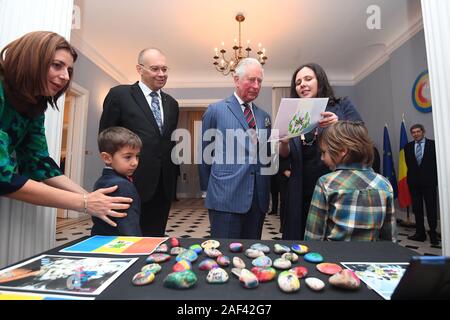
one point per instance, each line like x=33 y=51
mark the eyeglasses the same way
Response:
x=156 y=69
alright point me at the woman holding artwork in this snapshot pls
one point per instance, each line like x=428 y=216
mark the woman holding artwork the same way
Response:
x=309 y=81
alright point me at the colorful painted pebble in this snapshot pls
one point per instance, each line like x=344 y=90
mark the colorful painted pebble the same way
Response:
x=217 y=276
x=300 y=271
x=143 y=278
x=162 y=248
x=281 y=248
x=236 y=247
x=252 y=253
x=189 y=255
x=248 y=279
x=314 y=283
x=328 y=268
x=182 y=265
x=153 y=268
x=180 y=280
x=264 y=274
x=282 y=264
x=174 y=242
x=210 y=244
x=177 y=250
x=261 y=247
x=207 y=264
x=157 y=258
x=291 y=256
x=223 y=261
x=238 y=263
x=313 y=257
x=288 y=282
x=345 y=279
x=300 y=249
x=197 y=248
x=212 y=253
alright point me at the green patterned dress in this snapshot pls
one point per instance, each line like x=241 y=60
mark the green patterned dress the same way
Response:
x=23 y=149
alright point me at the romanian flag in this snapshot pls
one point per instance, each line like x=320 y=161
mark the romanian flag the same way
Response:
x=388 y=162
x=404 y=198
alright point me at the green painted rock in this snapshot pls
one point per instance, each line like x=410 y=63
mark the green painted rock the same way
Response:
x=180 y=280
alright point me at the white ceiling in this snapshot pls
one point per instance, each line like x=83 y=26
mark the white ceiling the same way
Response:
x=331 y=32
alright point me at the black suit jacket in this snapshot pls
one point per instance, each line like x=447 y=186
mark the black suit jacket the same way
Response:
x=424 y=175
x=126 y=106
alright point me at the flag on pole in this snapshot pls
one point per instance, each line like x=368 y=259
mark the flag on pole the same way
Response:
x=404 y=197
x=388 y=163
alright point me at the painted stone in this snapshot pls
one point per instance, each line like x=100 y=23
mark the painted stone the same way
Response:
x=314 y=283
x=143 y=278
x=300 y=249
x=281 y=248
x=263 y=261
x=291 y=256
x=313 y=257
x=196 y=248
x=261 y=247
x=180 y=280
x=189 y=255
x=174 y=242
x=177 y=250
x=345 y=279
x=299 y=271
x=217 y=276
x=328 y=268
x=212 y=253
x=210 y=244
x=157 y=258
x=236 y=271
x=236 y=247
x=248 y=279
x=288 y=282
x=207 y=264
x=238 y=263
x=153 y=268
x=252 y=253
x=162 y=248
x=264 y=274
x=223 y=261
x=282 y=264
x=182 y=265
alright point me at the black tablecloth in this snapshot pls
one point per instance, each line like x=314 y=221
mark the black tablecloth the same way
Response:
x=335 y=252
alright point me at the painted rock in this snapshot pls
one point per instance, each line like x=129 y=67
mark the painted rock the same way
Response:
x=207 y=264
x=300 y=249
x=252 y=253
x=236 y=271
x=281 y=248
x=236 y=247
x=162 y=248
x=345 y=279
x=248 y=279
x=157 y=257
x=282 y=264
x=263 y=261
x=143 y=278
x=299 y=271
x=180 y=280
x=314 y=283
x=212 y=253
x=196 y=247
x=223 y=261
x=238 y=263
x=328 y=268
x=210 y=244
x=260 y=247
x=189 y=255
x=217 y=276
x=313 y=257
x=177 y=250
x=291 y=256
x=153 y=268
x=288 y=282
x=182 y=265
x=264 y=274
x=174 y=242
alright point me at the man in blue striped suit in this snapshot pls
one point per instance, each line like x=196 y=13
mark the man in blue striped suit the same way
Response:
x=234 y=158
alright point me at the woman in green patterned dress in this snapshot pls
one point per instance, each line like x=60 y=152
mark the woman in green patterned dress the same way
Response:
x=35 y=70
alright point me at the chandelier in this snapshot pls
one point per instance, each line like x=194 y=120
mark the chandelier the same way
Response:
x=226 y=66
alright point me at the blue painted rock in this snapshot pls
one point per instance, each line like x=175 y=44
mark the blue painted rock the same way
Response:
x=281 y=248
x=177 y=250
x=238 y=263
x=212 y=253
x=264 y=274
x=314 y=283
x=196 y=247
x=180 y=280
x=174 y=242
x=210 y=244
x=236 y=247
x=328 y=268
x=182 y=265
x=345 y=279
x=223 y=261
x=291 y=256
x=313 y=257
x=263 y=261
x=252 y=253
x=162 y=248
x=143 y=278
x=282 y=264
x=261 y=247
x=288 y=282
x=153 y=268
x=157 y=258
x=207 y=264
x=248 y=279
x=299 y=271
x=189 y=255
x=217 y=276
x=300 y=249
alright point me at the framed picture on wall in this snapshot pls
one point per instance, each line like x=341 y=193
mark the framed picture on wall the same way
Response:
x=421 y=93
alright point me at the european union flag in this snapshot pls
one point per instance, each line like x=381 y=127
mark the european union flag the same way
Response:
x=388 y=162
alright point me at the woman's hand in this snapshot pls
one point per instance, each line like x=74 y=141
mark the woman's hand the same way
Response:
x=284 y=149
x=101 y=206
x=328 y=118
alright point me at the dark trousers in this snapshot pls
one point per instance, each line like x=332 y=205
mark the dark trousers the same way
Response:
x=229 y=225
x=283 y=191
x=418 y=196
x=155 y=213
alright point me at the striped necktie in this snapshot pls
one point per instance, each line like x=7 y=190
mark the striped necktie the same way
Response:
x=419 y=153
x=155 y=109
x=248 y=115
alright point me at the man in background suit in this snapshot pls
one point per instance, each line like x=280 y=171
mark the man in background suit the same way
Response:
x=420 y=158
x=237 y=191
x=153 y=115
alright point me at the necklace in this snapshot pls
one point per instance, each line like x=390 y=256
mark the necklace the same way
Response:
x=311 y=142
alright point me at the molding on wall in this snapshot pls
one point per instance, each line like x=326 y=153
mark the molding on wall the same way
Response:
x=187 y=103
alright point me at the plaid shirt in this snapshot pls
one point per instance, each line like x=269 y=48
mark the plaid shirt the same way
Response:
x=352 y=203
